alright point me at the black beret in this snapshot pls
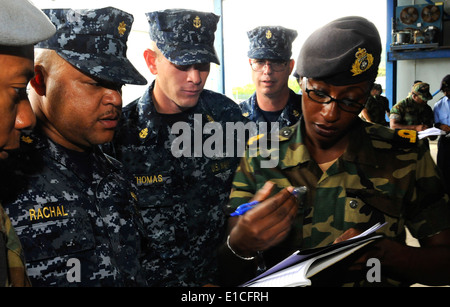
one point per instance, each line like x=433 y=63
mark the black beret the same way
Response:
x=344 y=51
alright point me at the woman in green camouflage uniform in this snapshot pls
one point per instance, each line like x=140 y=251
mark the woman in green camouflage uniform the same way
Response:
x=356 y=173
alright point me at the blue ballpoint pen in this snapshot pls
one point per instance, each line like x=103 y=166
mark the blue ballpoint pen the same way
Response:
x=244 y=208
x=247 y=206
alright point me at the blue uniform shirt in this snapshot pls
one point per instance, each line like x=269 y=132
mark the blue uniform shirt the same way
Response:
x=74 y=211
x=442 y=111
x=181 y=196
x=289 y=115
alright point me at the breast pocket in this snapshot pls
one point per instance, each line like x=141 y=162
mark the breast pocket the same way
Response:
x=367 y=207
x=55 y=229
x=163 y=213
x=154 y=189
x=218 y=178
x=445 y=117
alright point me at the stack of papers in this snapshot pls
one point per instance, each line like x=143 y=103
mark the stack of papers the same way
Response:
x=430 y=132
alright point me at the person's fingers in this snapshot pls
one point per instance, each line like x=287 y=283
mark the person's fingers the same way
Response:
x=276 y=206
x=264 y=192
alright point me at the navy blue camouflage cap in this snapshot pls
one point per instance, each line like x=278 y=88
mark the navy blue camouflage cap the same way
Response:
x=95 y=42
x=344 y=51
x=185 y=37
x=271 y=42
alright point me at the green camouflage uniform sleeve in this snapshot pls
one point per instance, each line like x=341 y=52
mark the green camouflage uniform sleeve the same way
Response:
x=397 y=111
x=384 y=176
x=430 y=214
x=15 y=261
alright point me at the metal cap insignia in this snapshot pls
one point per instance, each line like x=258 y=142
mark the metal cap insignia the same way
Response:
x=197 y=23
x=122 y=28
x=362 y=63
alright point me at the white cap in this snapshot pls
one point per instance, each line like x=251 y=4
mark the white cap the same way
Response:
x=22 y=23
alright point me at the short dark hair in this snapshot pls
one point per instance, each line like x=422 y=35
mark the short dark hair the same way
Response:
x=445 y=84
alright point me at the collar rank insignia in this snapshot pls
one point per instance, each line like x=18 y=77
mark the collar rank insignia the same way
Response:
x=122 y=28
x=362 y=63
x=143 y=134
x=27 y=139
x=197 y=23
x=134 y=196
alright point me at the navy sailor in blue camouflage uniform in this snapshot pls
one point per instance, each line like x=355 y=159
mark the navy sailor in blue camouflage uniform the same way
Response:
x=73 y=207
x=182 y=185
x=271 y=64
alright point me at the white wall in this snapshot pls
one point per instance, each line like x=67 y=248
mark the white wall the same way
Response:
x=427 y=70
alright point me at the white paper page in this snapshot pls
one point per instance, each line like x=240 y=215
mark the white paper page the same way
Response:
x=298 y=274
x=325 y=262
x=292 y=276
x=430 y=132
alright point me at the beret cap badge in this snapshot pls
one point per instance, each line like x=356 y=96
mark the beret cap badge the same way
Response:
x=362 y=63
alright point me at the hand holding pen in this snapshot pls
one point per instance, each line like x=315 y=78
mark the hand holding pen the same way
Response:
x=298 y=192
x=267 y=224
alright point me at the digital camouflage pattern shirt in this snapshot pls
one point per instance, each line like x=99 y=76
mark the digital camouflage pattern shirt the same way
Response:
x=71 y=208
x=182 y=186
x=288 y=117
x=384 y=176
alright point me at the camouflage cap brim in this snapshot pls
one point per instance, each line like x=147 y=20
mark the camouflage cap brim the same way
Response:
x=110 y=68
x=271 y=42
x=189 y=54
x=269 y=53
x=425 y=97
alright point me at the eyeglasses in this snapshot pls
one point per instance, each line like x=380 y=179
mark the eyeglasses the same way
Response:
x=347 y=105
x=259 y=65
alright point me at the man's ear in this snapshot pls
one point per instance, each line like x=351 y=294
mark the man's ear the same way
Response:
x=150 y=59
x=291 y=65
x=38 y=82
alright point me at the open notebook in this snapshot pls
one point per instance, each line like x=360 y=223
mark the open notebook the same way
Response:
x=297 y=269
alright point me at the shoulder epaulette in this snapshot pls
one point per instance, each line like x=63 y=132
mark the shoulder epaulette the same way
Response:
x=405 y=136
x=283 y=134
x=397 y=137
x=254 y=138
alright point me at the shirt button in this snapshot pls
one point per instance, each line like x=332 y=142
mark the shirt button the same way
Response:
x=353 y=204
x=285 y=132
